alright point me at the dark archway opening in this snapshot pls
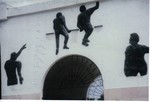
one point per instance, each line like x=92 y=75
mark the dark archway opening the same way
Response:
x=71 y=78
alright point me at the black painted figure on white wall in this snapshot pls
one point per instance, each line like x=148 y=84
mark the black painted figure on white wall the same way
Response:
x=84 y=22
x=11 y=66
x=134 y=57
x=61 y=28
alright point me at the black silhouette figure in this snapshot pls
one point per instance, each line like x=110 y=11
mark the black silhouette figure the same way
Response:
x=134 y=57
x=11 y=66
x=61 y=28
x=84 y=22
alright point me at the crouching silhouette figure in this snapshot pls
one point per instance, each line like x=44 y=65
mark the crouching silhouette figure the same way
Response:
x=84 y=22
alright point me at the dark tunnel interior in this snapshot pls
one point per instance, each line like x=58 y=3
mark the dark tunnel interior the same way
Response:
x=69 y=78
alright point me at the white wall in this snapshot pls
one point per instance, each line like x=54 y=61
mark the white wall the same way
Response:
x=106 y=49
x=3 y=14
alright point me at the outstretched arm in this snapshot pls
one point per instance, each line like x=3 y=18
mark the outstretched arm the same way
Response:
x=19 y=52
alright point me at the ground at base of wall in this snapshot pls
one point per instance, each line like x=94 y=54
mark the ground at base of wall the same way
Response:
x=133 y=93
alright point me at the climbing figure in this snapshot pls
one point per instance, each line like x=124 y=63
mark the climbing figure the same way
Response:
x=84 y=22
x=11 y=66
x=60 y=28
x=134 y=57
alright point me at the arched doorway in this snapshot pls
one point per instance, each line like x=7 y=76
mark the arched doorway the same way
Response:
x=73 y=77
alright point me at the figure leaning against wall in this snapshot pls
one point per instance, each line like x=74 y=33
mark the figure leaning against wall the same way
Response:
x=134 y=57
x=11 y=66
x=84 y=22
x=60 y=28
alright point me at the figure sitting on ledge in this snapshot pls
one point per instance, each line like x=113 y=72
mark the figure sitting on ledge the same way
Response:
x=11 y=66
x=61 y=28
x=134 y=57
x=84 y=22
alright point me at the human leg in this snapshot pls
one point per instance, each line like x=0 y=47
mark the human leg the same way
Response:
x=88 y=31
x=66 y=36
x=57 y=42
x=84 y=41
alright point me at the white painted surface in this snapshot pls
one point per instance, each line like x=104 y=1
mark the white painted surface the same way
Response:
x=44 y=6
x=20 y=3
x=3 y=11
x=106 y=49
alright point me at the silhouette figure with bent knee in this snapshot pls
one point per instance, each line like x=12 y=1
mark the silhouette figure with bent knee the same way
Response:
x=60 y=28
x=84 y=22
x=134 y=57
x=11 y=66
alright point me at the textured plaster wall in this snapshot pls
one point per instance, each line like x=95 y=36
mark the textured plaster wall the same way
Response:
x=118 y=17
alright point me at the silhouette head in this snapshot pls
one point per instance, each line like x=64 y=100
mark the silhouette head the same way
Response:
x=58 y=15
x=82 y=8
x=134 y=38
x=13 y=56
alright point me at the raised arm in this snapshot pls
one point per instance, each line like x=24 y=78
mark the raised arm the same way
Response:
x=91 y=10
x=97 y=5
x=19 y=52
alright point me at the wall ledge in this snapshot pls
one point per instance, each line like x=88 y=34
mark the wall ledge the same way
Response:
x=45 y=6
